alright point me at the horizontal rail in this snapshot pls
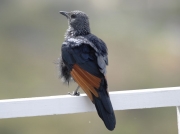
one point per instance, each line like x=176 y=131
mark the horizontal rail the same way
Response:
x=66 y=104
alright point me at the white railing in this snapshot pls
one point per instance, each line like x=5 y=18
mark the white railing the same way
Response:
x=66 y=104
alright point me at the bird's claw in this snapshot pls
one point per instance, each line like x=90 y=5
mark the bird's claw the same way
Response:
x=74 y=93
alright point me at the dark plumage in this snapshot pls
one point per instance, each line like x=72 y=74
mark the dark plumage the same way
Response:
x=84 y=58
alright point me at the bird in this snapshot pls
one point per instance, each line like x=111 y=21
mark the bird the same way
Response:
x=84 y=58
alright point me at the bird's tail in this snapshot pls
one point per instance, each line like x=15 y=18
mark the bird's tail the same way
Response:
x=104 y=106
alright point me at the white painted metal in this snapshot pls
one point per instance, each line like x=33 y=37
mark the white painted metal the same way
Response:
x=178 y=118
x=66 y=104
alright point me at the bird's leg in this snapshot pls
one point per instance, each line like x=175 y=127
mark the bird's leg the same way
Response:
x=75 y=93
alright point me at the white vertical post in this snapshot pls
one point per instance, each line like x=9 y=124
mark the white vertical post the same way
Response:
x=178 y=118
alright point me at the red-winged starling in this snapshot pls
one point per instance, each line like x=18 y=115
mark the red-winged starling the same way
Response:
x=84 y=58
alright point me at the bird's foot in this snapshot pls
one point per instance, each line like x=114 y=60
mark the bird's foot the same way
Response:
x=74 y=93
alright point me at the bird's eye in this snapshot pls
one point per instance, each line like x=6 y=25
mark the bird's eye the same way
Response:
x=73 y=16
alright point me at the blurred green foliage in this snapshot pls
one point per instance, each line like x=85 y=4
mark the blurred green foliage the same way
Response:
x=143 y=41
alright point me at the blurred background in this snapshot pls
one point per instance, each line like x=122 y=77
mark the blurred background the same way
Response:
x=143 y=38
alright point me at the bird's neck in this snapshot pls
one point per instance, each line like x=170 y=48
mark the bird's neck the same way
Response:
x=72 y=32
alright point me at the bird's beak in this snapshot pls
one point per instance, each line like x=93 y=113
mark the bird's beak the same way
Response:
x=64 y=13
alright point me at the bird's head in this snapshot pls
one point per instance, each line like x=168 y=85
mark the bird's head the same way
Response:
x=78 y=21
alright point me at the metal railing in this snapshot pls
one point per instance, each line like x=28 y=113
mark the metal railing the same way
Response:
x=66 y=104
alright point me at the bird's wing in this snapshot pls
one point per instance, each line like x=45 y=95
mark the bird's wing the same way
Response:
x=88 y=82
x=86 y=65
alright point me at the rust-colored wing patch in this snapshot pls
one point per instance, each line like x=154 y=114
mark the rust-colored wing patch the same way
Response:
x=88 y=82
